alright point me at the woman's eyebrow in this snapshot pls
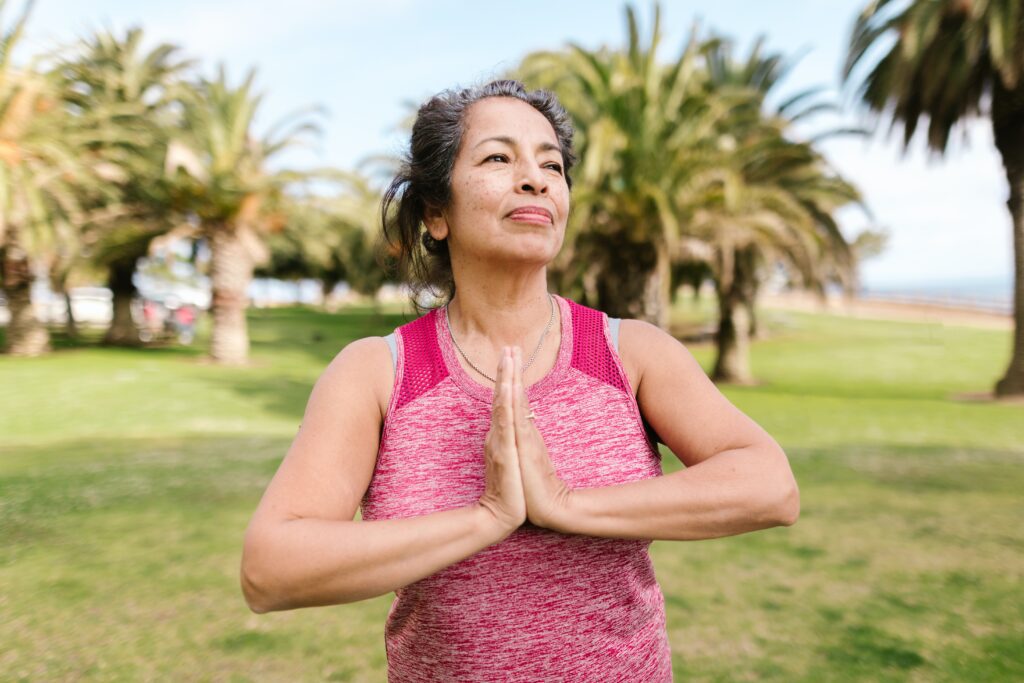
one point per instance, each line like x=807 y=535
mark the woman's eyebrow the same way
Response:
x=542 y=147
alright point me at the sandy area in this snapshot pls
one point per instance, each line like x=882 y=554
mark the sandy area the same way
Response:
x=889 y=310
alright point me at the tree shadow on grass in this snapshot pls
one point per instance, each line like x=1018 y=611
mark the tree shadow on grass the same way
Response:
x=42 y=487
x=315 y=332
x=912 y=468
x=282 y=394
x=851 y=391
x=286 y=332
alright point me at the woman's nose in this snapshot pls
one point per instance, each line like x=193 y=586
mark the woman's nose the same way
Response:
x=533 y=180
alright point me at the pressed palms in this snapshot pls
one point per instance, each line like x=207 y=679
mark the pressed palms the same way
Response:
x=126 y=96
x=222 y=175
x=945 y=61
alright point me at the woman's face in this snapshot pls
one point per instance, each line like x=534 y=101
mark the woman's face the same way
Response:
x=509 y=200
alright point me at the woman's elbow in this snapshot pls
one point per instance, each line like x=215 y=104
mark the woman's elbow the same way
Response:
x=255 y=598
x=784 y=501
x=789 y=508
x=253 y=579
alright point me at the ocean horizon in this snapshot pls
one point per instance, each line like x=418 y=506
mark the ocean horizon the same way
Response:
x=993 y=294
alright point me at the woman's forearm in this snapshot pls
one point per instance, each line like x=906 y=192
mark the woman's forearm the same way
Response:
x=730 y=493
x=310 y=562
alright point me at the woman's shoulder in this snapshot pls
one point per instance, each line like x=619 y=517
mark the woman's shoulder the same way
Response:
x=364 y=349
x=640 y=343
x=363 y=366
x=641 y=340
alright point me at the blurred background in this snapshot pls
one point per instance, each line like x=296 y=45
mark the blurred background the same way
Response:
x=823 y=201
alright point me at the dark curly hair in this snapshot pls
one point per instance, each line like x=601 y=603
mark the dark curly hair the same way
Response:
x=425 y=175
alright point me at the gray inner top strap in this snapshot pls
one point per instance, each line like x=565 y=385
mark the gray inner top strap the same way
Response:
x=390 y=339
x=613 y=327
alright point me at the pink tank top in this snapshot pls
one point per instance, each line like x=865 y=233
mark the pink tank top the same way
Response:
x=539 y=605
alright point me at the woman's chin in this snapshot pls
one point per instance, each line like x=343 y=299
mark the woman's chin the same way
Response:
x=539 y=256
x=543 y=252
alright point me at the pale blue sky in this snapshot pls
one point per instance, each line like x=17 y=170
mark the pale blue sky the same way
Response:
x=364 y=60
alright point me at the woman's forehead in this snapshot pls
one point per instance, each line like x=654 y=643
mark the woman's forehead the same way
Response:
x=507 y=118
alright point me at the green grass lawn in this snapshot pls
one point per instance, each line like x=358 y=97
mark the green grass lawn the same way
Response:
x=127 y=478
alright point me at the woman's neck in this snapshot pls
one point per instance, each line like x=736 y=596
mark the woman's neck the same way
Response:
x=498 y=315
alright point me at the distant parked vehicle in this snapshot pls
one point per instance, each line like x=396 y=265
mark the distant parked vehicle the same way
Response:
x=89 y=306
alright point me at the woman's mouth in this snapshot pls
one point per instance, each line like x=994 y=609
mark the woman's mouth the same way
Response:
x=531 y=214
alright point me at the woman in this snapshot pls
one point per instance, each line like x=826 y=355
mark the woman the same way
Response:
x=508 y=501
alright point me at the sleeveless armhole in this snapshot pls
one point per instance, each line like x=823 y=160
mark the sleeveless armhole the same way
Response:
x=613 y=329
x=394 y=341
x=596 y=354
x=613 y=338
x=393 y=345
x=418 y=364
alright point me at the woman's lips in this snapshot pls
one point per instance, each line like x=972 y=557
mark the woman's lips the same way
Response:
x=531 y=215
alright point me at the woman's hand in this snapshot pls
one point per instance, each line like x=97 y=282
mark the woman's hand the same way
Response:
x=503 y=486
x=547 y=496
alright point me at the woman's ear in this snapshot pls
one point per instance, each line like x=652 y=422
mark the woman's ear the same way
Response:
x=436 y=223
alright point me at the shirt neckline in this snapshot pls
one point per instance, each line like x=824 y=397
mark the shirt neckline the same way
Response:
x=485 y=393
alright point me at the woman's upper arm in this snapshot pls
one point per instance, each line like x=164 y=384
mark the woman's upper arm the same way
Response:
x=676 y=397
x=331 y=460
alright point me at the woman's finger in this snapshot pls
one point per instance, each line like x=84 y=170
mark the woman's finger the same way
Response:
x=517 y=387
x=497 y=375
x=507 y=393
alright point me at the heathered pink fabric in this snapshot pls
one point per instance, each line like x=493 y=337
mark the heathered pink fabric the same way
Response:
x=539 y=605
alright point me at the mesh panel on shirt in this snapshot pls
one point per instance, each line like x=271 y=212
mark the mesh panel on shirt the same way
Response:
x=590 y=351
x=423 y=364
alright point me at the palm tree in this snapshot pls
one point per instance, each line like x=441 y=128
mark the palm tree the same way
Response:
x=308 y=246
x=334 y=238
x=643 y=130
x=951 y=60
x=127 y=96
x=365 y=254
x=683 y=160
x=222 y=175
x=769 y=199
x=42 y=166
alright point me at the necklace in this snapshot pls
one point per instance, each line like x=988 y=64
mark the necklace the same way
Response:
x=533 y=356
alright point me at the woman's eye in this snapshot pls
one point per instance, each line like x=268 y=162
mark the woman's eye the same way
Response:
x=554 y=166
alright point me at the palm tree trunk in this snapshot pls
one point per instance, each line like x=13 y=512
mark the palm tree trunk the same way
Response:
x=1008 y=129
x=733 y=363
x=1012 y=382
x=122 y=330
x=231 y=271
x=733 y=338
x=26 y=335
x=59 y=285
x=635 y=281
x=747 y=284
x=755 y=327
x=70 y=326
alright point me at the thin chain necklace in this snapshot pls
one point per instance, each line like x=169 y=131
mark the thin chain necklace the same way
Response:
x=533 y=356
